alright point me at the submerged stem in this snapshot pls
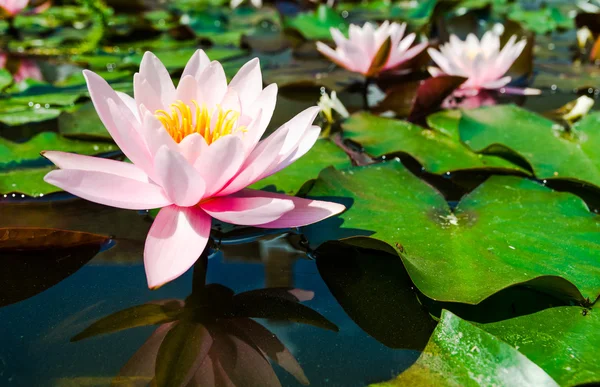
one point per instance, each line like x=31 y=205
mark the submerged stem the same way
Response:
x=200 y=268
x=365 y=93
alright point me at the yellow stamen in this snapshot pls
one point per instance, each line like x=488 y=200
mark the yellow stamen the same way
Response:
x=211 y=125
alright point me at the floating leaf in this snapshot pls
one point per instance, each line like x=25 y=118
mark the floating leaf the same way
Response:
x=83 y=123
x=315 y=25
x=26 y=181
x=446 y=122
x=563 y=341
x=543 y=20
x=375 y=290
x=437 y=152
x=460 y=354
x=552 y=152
x=35 y=259
x=18 y=154
x=5 y=79
x=27 y=115
x=502 y=234
x=177 y=59
x=289 y=180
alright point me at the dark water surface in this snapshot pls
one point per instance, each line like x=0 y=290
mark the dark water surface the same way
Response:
x=35 y=335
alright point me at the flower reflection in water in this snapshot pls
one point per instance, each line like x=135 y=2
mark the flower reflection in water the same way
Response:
x=21 y=68
x=210 y=338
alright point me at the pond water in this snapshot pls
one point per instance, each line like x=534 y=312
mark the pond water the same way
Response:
x=35 y=334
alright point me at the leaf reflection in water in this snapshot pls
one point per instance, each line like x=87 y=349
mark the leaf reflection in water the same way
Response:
x=210 y=339
x=35 y=259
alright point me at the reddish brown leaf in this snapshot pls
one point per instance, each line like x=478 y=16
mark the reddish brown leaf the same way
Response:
x=35 y=259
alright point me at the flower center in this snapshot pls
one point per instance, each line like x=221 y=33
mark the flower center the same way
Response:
x=184 y=120
x=472 y=53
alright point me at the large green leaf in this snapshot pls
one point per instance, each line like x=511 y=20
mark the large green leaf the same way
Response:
x=289 y=180
x=437 y=152
x=26 y=181
x=315 y=25
x=5 y=78
x=83 y=123
x=460 y=354
x=25 y=115
x=14 y=154
x=543 y=20
x=177 y=59
x=374 y=289
x=551 y=152
x=506 y=232
x=564 y=341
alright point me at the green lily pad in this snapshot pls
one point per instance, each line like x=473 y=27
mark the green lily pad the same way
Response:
x=436 y=152
x=460 y=354
x=18 y=154
x=315 y=25
x=446 y=122
x=26 y=181
x=26 y=115
x=552 y=152
x=502 y=234
x=177 y=59
x=289 y=180
x=5 y=78
x=543 y=20
x=563 y=341
x=83 y=123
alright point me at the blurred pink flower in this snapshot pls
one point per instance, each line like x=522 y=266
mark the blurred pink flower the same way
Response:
x=15 y=7
x=358 y=52
x=26 y=68
x=195 y=149
x=481 y=62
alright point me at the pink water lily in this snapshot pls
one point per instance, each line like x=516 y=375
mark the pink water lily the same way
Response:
x=480 y=61
x=25 y=69
x=15 y=7
x=358 y=53
x=195 y=149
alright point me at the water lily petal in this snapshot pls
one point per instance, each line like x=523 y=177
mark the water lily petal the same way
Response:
x=118 y=120
x=176 y=240
x=154 y=72
x=196 y=65
x=187 y=90
x=192 y=146
x=304 y=212
x=212 y=85
x=264 y=156
x=263 y=106
x=248 y=82
x=155 y=134
x=308 y=140
x=220 y=162
x=108 y=189
x=130 y=103
x=66 y=160
x=333 y=55
x=247 y=210
x=182 y=183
